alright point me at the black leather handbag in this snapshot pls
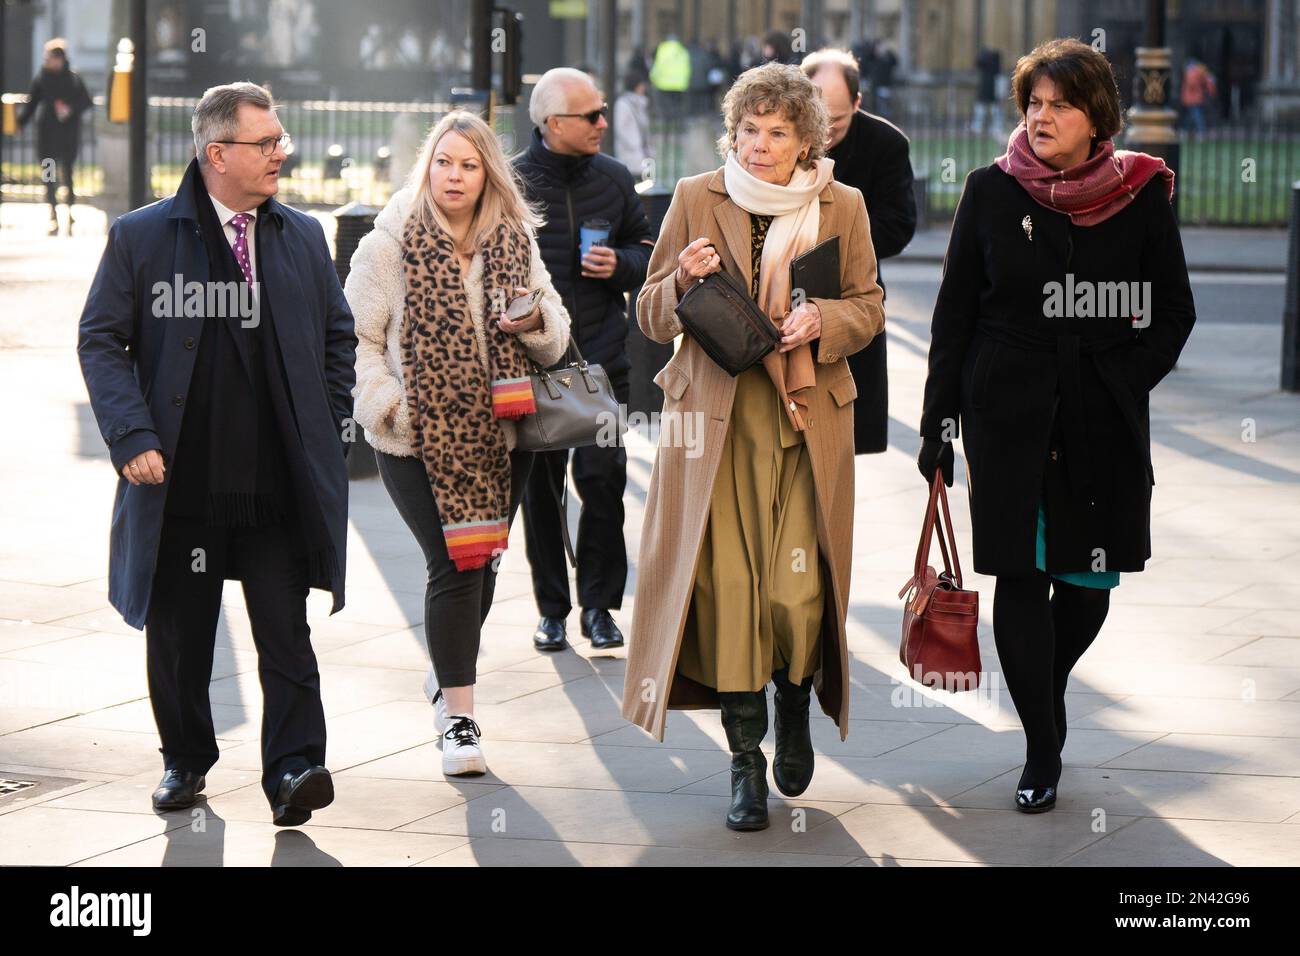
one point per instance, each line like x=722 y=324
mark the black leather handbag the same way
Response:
x=733 y=331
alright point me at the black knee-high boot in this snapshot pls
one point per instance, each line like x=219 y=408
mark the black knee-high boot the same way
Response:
x=1022 y=631
x=1077 y=616
x=744 y=718
x=792 y=767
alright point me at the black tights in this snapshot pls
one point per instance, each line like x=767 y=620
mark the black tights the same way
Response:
x=1039 y=642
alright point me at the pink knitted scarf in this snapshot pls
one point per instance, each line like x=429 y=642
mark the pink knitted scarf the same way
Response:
x=1089 y=192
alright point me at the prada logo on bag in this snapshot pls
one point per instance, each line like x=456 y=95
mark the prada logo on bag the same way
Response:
x=565 y=380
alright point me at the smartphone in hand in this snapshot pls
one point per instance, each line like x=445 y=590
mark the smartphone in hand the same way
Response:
x=523 y=305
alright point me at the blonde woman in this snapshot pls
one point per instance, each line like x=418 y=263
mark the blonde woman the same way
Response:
x=441 y=375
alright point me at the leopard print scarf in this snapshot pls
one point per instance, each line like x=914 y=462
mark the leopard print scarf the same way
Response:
x=454 y=403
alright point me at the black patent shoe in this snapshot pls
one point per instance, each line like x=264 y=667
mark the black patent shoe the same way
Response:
x=744 y=718
x=177 y=790
x=1035 y=799
x=792 y=767
x=299 y=794
x=549 y=635
x=599 y=627
x=1033 y=793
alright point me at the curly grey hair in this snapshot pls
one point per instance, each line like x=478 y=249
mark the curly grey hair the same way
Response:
x=784 y=88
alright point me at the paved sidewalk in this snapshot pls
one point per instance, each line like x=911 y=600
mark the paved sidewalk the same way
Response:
x=1185 y=717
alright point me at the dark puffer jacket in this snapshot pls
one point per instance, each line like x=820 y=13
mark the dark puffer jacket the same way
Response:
x=572 y=190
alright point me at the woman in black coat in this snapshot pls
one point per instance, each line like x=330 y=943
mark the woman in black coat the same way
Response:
x=58 y=98
x=1064 y=301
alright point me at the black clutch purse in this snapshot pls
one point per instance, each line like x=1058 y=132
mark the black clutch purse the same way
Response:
x=727 y=323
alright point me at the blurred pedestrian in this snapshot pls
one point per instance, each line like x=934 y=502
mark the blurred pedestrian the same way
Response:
x=987 y=115
x=670 y=76
x=632 y=145
x=59 y=99
x=882 y=79
x=1198 y=89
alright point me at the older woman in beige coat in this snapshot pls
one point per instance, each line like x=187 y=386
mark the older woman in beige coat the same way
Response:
x=743 y=575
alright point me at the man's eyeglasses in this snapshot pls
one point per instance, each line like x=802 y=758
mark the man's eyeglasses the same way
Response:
x=267 y=146
x=593 y=117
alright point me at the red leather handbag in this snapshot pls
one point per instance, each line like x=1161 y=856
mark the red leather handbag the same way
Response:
x=940 y=646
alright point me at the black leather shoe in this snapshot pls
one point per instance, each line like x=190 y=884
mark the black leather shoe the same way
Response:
x=599 y=626
x=1033 y=793
x=744 y=718
x=549 y=635
x=1036 y=799
x=792 y=767
x=177 y=790
x=299 y=794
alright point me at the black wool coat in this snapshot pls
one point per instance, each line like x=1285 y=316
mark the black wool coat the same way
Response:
x=874 y=158
x=1053 y=406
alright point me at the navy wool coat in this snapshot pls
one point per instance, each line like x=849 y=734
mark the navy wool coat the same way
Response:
x=138 y=366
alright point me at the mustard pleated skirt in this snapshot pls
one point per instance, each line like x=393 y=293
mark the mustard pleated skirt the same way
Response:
x=758 y=598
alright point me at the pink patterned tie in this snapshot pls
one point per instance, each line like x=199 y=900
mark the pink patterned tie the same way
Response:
x=240 y=221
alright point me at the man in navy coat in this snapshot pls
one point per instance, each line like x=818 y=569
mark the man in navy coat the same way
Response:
x=218 y=349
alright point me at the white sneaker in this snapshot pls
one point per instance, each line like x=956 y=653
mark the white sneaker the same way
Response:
x=461 y=753
x=434 y=693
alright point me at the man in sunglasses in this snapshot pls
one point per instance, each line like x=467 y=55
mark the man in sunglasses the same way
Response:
x=218 y=350
x=586 y=192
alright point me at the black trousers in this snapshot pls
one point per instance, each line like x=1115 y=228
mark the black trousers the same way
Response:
x=63 y=165
x=194 y=561
x=456 y=603
x=599 y=476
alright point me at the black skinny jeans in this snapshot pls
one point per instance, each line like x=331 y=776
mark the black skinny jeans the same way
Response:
x=456 y=603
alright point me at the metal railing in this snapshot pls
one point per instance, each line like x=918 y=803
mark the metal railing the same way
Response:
x=343 y=150
x=23 y=175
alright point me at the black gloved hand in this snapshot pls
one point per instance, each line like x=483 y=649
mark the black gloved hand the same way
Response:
x=935 y=453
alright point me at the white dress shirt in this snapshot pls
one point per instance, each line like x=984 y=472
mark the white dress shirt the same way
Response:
x=225 y=214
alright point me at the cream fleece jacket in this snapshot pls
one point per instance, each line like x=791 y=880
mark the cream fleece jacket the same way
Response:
x=376 y=293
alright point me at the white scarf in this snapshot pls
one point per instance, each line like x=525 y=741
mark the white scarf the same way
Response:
x=797 y=213
x=795 y=207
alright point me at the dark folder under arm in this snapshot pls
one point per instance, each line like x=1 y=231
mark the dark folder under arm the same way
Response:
x=817 y=272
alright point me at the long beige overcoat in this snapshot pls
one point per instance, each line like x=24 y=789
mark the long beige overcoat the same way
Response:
x=677 y=505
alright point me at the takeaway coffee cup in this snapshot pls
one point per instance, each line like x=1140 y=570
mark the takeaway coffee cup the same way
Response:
x=594 y=232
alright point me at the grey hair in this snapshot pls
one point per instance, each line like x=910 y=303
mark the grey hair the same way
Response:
x=216 y=116
x=551 y=94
